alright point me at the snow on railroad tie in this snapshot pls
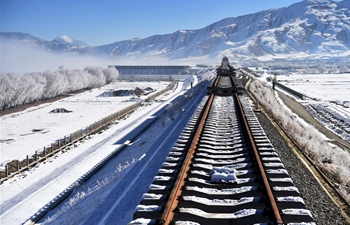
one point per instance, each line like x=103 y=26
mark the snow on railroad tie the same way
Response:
x=220 y=143
x=227 y=191
x=152 y=196
x=271 y=159
x=233 y=166
x=296 y=212
x=160 y=171
x=148 y=208
x=277 y=171
x=287 y=202
x=275 y=165
x=235 y=215
x=268 y=153
x=177 y=149
x=266 y=149
x=290 y=199
x=221 y=151
x=220 y=202
x=172 y=153
x=227 y=174
x=292 y=188
x=208 y=148
x=142 y=221
x=186 y=223
x=286 y=179
x=291 y=214
x=220 y=162
x=227 y=178
x=168 y=164
x=223 y=169
x=162 y=178
x=157 y=187
x=172 y=159
x=202 y=181
x=217 y=156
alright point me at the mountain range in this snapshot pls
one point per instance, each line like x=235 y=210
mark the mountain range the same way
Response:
x=307 y=29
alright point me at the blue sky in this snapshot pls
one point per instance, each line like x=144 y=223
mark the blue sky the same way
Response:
x=99 y=22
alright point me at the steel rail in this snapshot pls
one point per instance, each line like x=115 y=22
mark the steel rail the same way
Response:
x=172 y=203
x=271 y=198
x=176 y=192
x=216 y=81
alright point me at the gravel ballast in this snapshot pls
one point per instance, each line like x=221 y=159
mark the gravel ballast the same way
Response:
x=323 y=209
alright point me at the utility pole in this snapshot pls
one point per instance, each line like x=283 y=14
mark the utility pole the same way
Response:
x=274 y=80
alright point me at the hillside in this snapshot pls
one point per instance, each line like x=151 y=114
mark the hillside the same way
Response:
x=309 y=29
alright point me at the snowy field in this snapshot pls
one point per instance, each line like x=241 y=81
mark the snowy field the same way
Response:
x=25 y=194
x=330 y=103
x=86 y=108
x=328 y=97
x=327 y=87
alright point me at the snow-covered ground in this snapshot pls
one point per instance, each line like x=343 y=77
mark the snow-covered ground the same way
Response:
x=25 y=194
x=85 y=109
x=110 y=196
x=326 y=87
x=330 y=103
x=329 y=97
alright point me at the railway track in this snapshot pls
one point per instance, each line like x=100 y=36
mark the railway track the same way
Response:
x=222 y=170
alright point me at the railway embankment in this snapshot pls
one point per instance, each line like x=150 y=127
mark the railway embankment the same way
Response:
x=302 y=112
x=322 y=201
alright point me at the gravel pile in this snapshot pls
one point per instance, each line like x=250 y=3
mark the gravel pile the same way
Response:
x=317 y=201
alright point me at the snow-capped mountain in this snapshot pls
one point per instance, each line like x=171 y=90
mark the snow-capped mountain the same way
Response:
x=63 y=39
x=308 y=29
x=311 y=27
x=18 y=36
x=61 y=44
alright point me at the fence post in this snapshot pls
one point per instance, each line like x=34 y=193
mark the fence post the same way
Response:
x=36 y=155
x=18 y=165
x=7 y=170
x=27 y=160
x=44 y=152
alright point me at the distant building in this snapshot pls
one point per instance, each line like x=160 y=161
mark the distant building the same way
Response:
x=171 y=69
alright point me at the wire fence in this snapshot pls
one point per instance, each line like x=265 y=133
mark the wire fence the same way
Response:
x=17 y=166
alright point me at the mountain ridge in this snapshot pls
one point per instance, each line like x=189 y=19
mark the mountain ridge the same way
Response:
x=307 y=29
x=64 y=39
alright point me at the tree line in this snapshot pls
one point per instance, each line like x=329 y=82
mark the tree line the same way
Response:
x=18 y=89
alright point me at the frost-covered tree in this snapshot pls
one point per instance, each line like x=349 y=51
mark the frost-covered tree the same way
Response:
x=18 y=89
x=333 y=69
x=321 y=69
x=343 y=69
x=331 y=159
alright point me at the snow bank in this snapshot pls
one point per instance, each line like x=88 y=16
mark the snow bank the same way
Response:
x=331 y=159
